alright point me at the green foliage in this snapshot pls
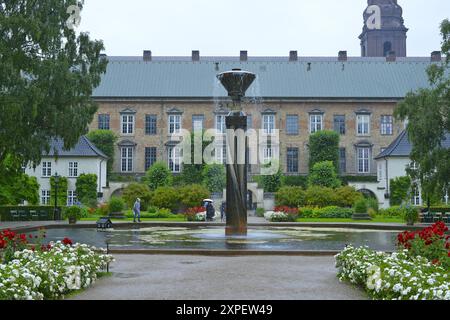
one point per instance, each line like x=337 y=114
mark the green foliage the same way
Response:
x=326 y=212
x=295 y=181
x=5 y=212
x=105 y=141
x=360 y=206
x=260 y=212
x=320 y=196
x=19 y=188
x=347 y=196
x=400 y=188
x=116 y=205
x=347 y=179
x=137 y=190
x=73 y=212
x=428 y=114
x=191 y=196
x=410 y=214
x=373 y=204
x=324 y=146
x=86 y=188
x=47 y=75
x=271 y=182
x=394 y=211
x=290 y=196
x=324 y=174
x=214 y=177
x=167 y=197
x=192 y=173
x=158 y=175
x=62 y=191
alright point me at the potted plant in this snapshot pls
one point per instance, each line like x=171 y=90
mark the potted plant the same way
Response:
x=360 y=208
x=116 y=206
x=410 y=214
x=73 y=214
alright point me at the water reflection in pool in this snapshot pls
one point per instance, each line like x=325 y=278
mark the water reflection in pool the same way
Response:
x=262 y=238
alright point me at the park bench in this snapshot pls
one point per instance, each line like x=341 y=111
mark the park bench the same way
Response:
x=14 y=215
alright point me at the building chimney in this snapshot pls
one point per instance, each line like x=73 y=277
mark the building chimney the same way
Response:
x=342 y=56
x=436 y=56
x=391 y=57
x=195 y=55
x=147 y=55
x=293 y=56
x=244 y=56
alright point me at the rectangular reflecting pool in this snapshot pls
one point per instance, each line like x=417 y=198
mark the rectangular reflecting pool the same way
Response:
x=213 y=238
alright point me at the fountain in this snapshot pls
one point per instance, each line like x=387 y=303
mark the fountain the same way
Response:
x=236 y=82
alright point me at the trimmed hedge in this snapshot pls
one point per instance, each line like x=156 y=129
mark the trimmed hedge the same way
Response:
x=327 y=212
x=6 y=216
x=347 y=179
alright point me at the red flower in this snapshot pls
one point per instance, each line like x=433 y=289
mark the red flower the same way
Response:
x=66 y=241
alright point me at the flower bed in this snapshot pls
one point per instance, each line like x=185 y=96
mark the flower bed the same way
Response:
x=420 y=270
x=38 y=271
x=396 y=276
x=282 y=214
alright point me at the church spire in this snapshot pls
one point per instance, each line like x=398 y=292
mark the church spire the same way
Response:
x=389 y=35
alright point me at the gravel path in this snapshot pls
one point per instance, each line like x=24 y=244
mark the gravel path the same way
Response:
x=160 y=277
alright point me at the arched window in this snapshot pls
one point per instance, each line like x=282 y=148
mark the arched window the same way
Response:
x=387 y=47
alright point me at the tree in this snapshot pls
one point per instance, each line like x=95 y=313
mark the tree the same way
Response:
x=47 y=76
x=271 y=183
x=86 y=188
x=323 y=174
x=158 y=175
x=400 y=188
x=62 y=191
x=192 y=173
x=324 y=146
x=193 y=195
x=428 y=113
x=167 y=198
x=137 y=190
x=104 y=140
x=214 y=177
x=18 y=189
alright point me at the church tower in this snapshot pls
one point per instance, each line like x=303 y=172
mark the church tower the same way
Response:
x=378 y=42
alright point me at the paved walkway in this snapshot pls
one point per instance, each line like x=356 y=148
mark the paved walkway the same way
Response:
x=161 y=277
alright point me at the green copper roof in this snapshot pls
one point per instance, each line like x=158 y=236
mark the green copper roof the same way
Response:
x=308 y=78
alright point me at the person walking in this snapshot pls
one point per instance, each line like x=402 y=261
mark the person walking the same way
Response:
x=210 y=212
x=137 y=210
x=223 y=210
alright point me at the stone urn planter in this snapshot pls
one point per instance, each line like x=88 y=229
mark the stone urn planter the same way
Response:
x=72 y=220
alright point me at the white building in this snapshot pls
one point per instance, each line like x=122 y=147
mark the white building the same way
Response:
x=84 y=158
x=392 y=163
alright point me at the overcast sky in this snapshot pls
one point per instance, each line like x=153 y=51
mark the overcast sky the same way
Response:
x=263 y=27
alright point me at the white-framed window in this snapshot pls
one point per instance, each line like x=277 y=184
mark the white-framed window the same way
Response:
x=175 y=159
x=73 y=169
x=387 y=123
x=363 y=155
x=126 y=159
x=127 y=124
x=363 y=124
x=315 y=123
x=46 y=169
x=221 y=154
x=416 y=198
x=220 y=124
x=174 y=123
x=269 y=123
x=267 y=155
x=71 y=197
x=45 y=197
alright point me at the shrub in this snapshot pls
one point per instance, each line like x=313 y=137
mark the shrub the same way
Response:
x=372 y=213
x=103 y=210
x=394 y=211
x=86 y=188
x=326 y=212
x=116 y=205
x=152 y=209
x=73 y=212
x=323 y=174
x=410 y=214
x=62 y=190
x=320 y=196
x=360 y=206
x=105 y=140
x=306 y=212
x=260 y=212
x=137 y=190
x=166 y=197
x=271 y=183
x=193 y=195
x=399 y=190
x=324 y=146
x=295 y=181
x=214 y=177
x=346 y=196
x=290 y=196
x=158 y=175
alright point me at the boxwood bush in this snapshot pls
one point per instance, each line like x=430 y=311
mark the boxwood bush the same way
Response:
x=326 y=212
